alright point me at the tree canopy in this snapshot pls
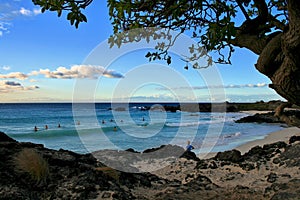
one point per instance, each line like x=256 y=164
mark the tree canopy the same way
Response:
x=270 y=29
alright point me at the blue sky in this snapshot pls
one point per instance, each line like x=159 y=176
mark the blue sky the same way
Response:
x=45 y=59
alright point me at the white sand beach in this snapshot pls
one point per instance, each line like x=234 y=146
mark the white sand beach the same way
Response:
x=253 y=112
x=282 y=135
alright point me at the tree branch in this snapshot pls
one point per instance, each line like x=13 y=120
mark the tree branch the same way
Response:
x=243 y=9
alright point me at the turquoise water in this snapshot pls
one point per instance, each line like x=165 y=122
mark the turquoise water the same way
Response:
x=89 y=127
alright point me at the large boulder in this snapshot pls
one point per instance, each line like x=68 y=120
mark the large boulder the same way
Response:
x=5 y=138
x=231 y=156
x=190 y=156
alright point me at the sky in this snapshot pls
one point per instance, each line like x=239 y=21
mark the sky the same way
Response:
x=45 y=59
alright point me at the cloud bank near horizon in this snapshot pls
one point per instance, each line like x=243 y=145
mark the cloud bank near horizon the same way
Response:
x=11 y=86
x=250 y=85
x=75 y=72
x=78 y=71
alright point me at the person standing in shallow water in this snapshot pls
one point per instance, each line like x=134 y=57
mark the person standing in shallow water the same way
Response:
x=189 y=147
x=115 y=128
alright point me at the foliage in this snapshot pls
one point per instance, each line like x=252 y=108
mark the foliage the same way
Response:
x=74 y=8
x=214 y=23
x=268 y=28
x=29 y=161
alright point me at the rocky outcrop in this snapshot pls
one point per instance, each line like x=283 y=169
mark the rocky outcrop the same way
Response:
x=268 y=172
x=260 y=118
x=231 y=156
x=292 y=118
x=71 y=175
x=190 y=156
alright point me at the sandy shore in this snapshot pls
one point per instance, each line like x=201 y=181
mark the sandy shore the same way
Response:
x=253 y=112
x=282 y=135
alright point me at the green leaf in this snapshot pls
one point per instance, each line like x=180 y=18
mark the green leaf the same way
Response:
x=84 y=18
x=59 y=12
x=148 y=55
x=169 y=60
x=69 y=16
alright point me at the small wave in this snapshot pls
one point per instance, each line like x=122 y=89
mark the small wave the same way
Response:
x=183 y=124
x=232 y=135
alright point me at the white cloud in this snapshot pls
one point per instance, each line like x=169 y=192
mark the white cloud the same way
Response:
x=6 y=68
x=37 y=11
x=11 y=86
x=15 y=75
x=257 y=85
x=32 y=80
x=78 y=71
x=10 y=10
x=4 y=26
x=25 y=12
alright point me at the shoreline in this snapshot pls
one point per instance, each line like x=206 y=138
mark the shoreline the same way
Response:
x=282 y=135
x=255 y=176
x=276 y=136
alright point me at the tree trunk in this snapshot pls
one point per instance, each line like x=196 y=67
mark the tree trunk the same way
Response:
x=280 y=59
x=279 y=110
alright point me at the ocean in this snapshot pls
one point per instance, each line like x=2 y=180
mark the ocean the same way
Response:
x=88 y=127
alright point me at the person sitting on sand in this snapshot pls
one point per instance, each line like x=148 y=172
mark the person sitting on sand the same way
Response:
x=189 y=147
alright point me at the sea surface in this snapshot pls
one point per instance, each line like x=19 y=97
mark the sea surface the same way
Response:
x=88 y=127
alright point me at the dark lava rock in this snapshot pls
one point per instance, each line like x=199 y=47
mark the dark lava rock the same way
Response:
x=132 y=150
x=154 y=149
x=292 y=115
x=190 y=156
x=5 y=138
x=202 y=164
x=164 y=151
x=285 y=196
x=260 y=118
x=255 y=151
x=202 y=182
x=291 y=155
x=241 y=187
x=264 y=153
x=247 y=166
x=289 y=190
x=275 y=145
x=294 y=139
x=276 y=161
x=276 y=187
x=71 y=175
x=272 y=177
x=232 y=156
